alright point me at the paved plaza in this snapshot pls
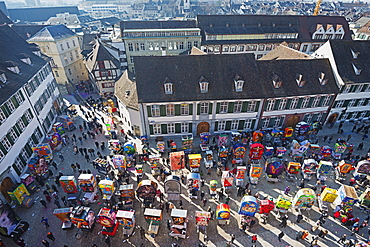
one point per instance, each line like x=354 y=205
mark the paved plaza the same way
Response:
x=216 y=235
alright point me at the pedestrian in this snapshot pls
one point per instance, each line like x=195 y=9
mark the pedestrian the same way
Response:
x=73 y=166
x=48 y=198
x=167 y=206
x=287 y=190
x=169 y=224
x=64 y=200
x=280 y=236
x=343 y=238
x=354 y=128
x=323 y=233
x=204 y=202
x=360 y=146
x=43 y=203
x=87 y=157
x=299 y=218
x=45 y=221
x=107 y=240
x=254 y=238
x=54 y=188
x=75 y=150
x=232 y=238
x=180 y=203
x=316 y=226
x=227 y=200
x=45 y=243
x=97 y=144
x=50 y=236
x=348 y=137
x=325 y=137
x=202 y=194
x=142 y=232
x=284 y=221
x=20 y=242
x=330 y=138
x=57 y=203
x=61 y=157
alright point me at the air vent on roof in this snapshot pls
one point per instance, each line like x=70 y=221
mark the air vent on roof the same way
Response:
x=354 y=54
x=3 y=77
x=276 y=81
x=299 y=80
x=12 y=66
x=356 y=70
x=322 y=79
x=25 y=58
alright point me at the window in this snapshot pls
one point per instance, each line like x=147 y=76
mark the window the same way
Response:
x=326 y=100
x=304 y=49
x=130 y=47
x=136 y=45
x=363 y=114
x=347 y=89
x=157 y=129
x=316 y=101
x=319 y=117
x=265 y=122
x=318 y=36
x=38 y=134
x=339 y=104
x=71 y=56
x=359 y=88
x=150 y=46
x=233 y=48
x=361 y=102
x=305 y=102
x=238 y=106
x=61 y=47
x=181 y=46
x=19 y=164
x=142 y=46
x=2 y=155
x=351 y=103
x=251 y=106
x=170 y=109
x=184 y=128
x=13 y=135
x=189 y=45
x=203 y=87
x=338 y=36
x=223 y=107
x=184 y=109
x=277 y=122
x=248 y=124
x=196 y=43
x=76 y=53
x=7 y=145
x=345 y=115
x=270 y=105
x=18 y=97
x=69 y=72
x=329 y=36
x=2 y=116
x=171 y=128
x=239 y=85
x=168 y=88
x=155 y=111
x=241 y=48
x=261 y=47
x=28 y=116
x=73 y=43
x=10 y=105
x=294 y=103
x=221 y=125
x=234 y=124
x=308 y=117
x=282 y=104
x=131 y=59
x=56 y=73
x=225 y=48
x=204 y=108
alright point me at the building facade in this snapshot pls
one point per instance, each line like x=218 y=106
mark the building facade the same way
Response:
x=62 y=45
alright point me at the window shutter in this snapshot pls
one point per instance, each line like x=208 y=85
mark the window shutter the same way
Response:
x=6 y=110
x=34 y=138
x=30 y=112
x=230 y=108
x=299 y=105
x=149 y=110
x=346 y=102
x=177 y=128
x=276 y=106
x=10 y=139
x=151 y=130
x=198 y=108
x=218 y=108
x=357 y=101
x=216 y=126
x=190 y=127
x=22 y=96
x=15 y=102
x=305 y=118
x=289 y=101
x=244 y=106
x=282 y=121
x=16 y=169
x=253 y=123
x=3 y=149
x=24 y=119
x=28 y=149
x=210 y=106
x=310 y=102
x=228 y=125
x=257 y=106
x=265 y=106
x=241 y=124
x=177 y=110
x=271 y=122
x=367 y=114
x=321 y=101
x=164 y=128
x=190 y=109
x=162 y=110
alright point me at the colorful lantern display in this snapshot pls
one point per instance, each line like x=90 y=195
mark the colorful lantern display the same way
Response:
x=68 y=184
x=248 y=206
x=177 y=160
x=256 y=151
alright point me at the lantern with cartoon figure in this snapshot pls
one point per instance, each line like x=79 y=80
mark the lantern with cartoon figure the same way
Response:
x=69 y=184
x=273 y=169
x=283 y=203
x=255 y=172
x=227 y=179
x=238 y=153
x=256 y=151
x=240 y=174
x=223 y=214
x=248 y=206
x=257 y=136
x=194 y=162
x=127 y=220
x=304 y=199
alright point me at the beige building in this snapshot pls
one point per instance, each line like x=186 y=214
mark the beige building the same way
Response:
x=62 y=45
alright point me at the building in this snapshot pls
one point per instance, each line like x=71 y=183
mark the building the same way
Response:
x=104 y=69
x=218 y=93
x=40 y=14
x=156 y=38
x=29 y=104
x=259 y=34
x=349 y=61
x=62 y=45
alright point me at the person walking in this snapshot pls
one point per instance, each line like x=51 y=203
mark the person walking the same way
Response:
x=287 y=190
x=45 y=243
x=43 y=203
x=204 y=202
x=232 y=238
x=97 y=144
x=61 y=157
x=50 y=236
x=167 y=206
x=343 y=238
x=254 y=238
x=284 y=221
x=64 y=200
x=47 y=197
x=57 y=203
x=281 y=235
x=202 y=194
x=142 y=232
x=299 y=218
x=19 y=242
x=45 y=221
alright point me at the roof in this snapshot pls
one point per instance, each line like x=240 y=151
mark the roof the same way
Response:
x=99 y=53
x=284 y=52
x=40 y=14
x=125 y=91
x=343 y=56
x=221 y=71
x=157 y=24
x=4 y=19
x=109 y=21
x=87 y=43
x=196 y=51
x=27 y=31
x=64 y=19
x=52 y=33
x=365 y=28
x=13 y=47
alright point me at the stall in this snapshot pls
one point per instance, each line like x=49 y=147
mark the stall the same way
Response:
x=238 y=153
x=83 y=218
x=347 y=196
x=146 y=191
x=154 y=218
x=179 y=223
x=64 y=215
x=194 y=162
x=273 y=169
x=323 y=170
x=255 y=172
x=177 y=160
x=342 y=169
x=365 y=198
x=187 y=142
x=227 y=179
x=283 y=203
x=204 y=141
x=107 y=218
x=69 y=184
x=208 y=160
x=107 y=189
x=256 y=151
x=240 y=174
x=223 y=214
x=304 y=199
x=172 y=187
x=154 y=160
x=193 y=184
x=87 y=182
x=127 y=220
x=127 y=194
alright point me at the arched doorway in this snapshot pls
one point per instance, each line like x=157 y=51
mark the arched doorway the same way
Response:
x=6 y=185
x=292 y=121
x=332 y=118
x=202 y=127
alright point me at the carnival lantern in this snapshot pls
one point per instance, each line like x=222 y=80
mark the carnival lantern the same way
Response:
x=256 y=151
x=302 y=128
x=194 y=162
x=326 y=151
x=83 y=217
x=223 y=214
x=280 y=151
x=257 y=136
x=227 y=179
x=288 y=132
x=127 y=194
x=59 y=128
x=240 y=174
x=204 y=140
x=172 y=187
x=127 y=220
x=255 y=172
x=309 y=168
x=362 y=168
x=238 y=153
x=154 y=218
x=43 y=150
x=323 y=170
x=222 y=152
x=54 y=140
x=87 y=182
x=187 y=142
x=283 y=203
x=273 y=169
x=266 y=206
x=64 y=215
x=154 y=161
x=248 y=206
x=119 y=161
x=346 y=196
x=344 y=167
x=293 y=167
x=213 y=187
x=202 y=218
x=329 y=195
x=161 y=146
x=304 y=199
x=177 y=160
x=269 y=151
x=69 y=184
x=106 y=217
x=365 y=198
x=147 y=190
x=193 y=184
x=222 y=139
x=179 y=223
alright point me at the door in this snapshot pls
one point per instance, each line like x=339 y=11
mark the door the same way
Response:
x=5 y=186
x=202 y=127
x=332 y=118
x=292 y=121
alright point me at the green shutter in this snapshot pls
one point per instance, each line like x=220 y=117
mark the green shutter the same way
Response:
x=149 y=110
x=164 y=128
x=15 y=102
x=198 y=108
x=190 y=109
x=241 y=124
x=289 y=101
x=151 y=129
x=271 y=122
x=230 y=108
x=6 y=110
x=28 y=149
x=22 y=96
x=34 y=138
x=216 y=126
x=210 y=106
x=10 y=139
x=253 y=123
x=16 y=130
x=190 y=127
x=299 y=105
x=177 y=128
x=257 y=106
x=321 y=101
x=228 y=125
x=276 y=105
x=353 y=88
x=346 y=102
x=25 y=121
x=177 y=110
x=16 y=169
x=30 y=112
x=244 y=106
x=265 y=106
x=218 y=108
x=309 y=105
x=3 y=149
x=162 y=110
x=356 y=103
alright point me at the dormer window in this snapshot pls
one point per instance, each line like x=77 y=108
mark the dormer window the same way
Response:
x=276 y=81
x=3 y=77
x=239 y=85
x=299 y=80
x=357 y=71
x=13 y=67
x=354 y=54
x=203 y=86
x=168 y=88
x=127 y=93
x=322 y=79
